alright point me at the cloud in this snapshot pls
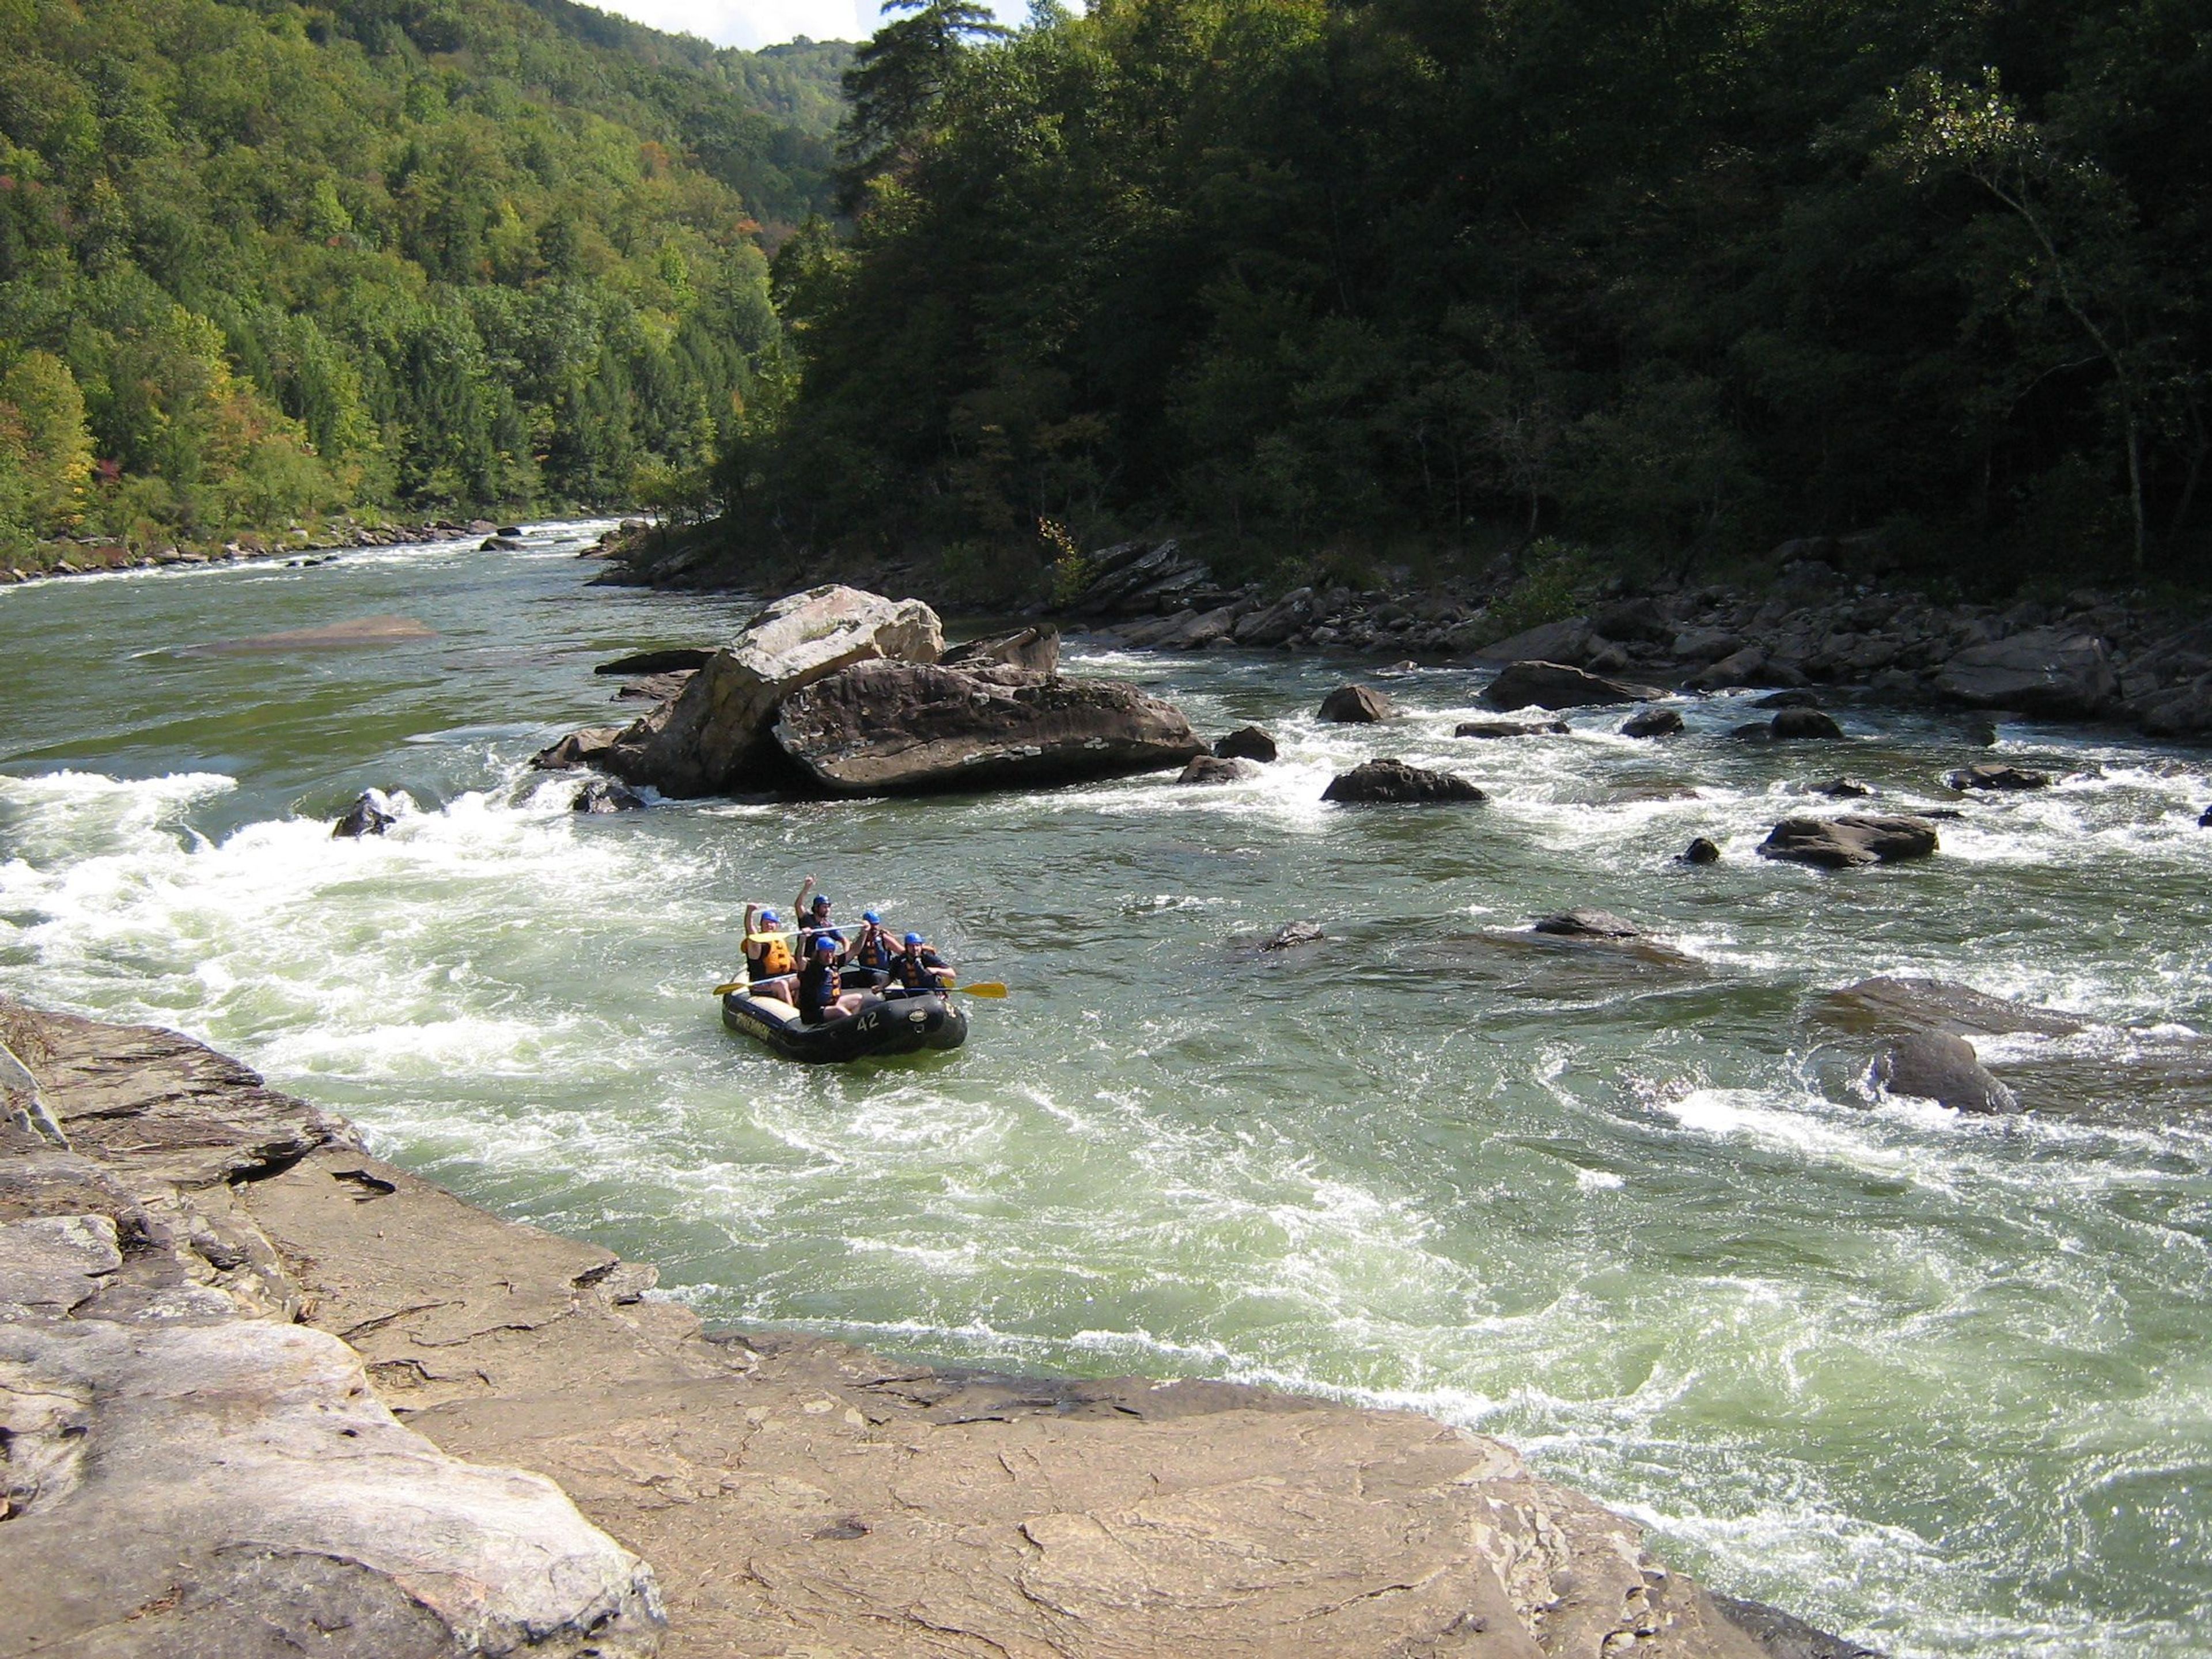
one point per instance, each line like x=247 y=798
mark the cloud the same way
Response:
x=754 y=23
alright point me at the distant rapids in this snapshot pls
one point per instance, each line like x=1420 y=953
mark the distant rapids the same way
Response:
x=1942 y=1384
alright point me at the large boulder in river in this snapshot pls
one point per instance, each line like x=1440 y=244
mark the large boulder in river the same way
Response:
x=1940 y=1066
x=1838 y=843
x=714 y=736
x=1556 y=685
x=1804 y=726
x=1246 y=743
x=2044 y=670
x=881 y=728
x=1389 y=782
x=1356 y=705
x=1653 y=723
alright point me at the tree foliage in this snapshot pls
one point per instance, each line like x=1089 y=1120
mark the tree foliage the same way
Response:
x=260 y=260
x=1675 y=275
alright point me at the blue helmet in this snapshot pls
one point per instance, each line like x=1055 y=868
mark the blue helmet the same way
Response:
x=825 y=942
x=914 y=939
x=821 y=901
x=870 y=915
x=768 y=918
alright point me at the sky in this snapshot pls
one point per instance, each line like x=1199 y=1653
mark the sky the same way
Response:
x=765 y=22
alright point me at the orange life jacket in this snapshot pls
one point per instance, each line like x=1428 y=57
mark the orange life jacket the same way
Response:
x=774 y=956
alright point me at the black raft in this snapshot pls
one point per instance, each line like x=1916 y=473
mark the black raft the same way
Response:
x=882 y=1025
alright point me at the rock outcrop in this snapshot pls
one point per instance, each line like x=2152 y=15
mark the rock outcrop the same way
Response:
x=1838 y=843
x=2043 y=671
x=793 y=1494
x=900 y=728
x=1246 y=743
x=715 y=737
x=1037 y=649
x=1701 y=850
x=1389 y=782
x=1556 y=685
x=1942 y=1066
x=1355 y=705
x=186 y=1471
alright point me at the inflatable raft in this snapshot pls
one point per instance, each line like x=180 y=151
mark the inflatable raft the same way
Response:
x=882 y=1025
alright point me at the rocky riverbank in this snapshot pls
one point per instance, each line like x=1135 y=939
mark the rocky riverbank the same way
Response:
x=92 y=555
x=1832 y=616
x=263 y=1392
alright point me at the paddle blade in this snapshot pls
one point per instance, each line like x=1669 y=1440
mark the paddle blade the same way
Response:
x=989 y=987
x=724 y=990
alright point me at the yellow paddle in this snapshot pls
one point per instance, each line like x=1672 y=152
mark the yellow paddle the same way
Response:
x=990 y=989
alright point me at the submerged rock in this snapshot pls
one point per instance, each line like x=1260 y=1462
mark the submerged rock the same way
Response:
x=1588 y=924
x=1292 y=934
x=1700 y=850
x=1653 y=723
x=715 y=735
x=677 y=661
x=900 y=728
x=1842 y=789
x=600 y=795
x=371 y=814
x=1511 y=729
x=1246 y=742
x=584 y=748
x=1890 y=1004
x=1556 y=685
x=1837 y=843
x=1998 y=777
x=1356 y=705
x=1942 y=1066
x=1804 y=724
x=1386 y=781
x=1212 y=768
x=1795 y=698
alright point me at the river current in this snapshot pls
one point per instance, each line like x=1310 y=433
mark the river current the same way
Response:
x=1941 y=1382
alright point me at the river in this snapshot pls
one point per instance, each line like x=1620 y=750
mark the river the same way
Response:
x=1942 y=1383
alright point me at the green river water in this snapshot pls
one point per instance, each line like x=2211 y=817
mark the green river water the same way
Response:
x=1942 y=1383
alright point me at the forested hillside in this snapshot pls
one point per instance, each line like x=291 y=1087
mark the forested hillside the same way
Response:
x=261 y=261
x=1676 y=278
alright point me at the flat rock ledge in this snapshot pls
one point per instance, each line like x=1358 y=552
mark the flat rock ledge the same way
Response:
x=243 y=1362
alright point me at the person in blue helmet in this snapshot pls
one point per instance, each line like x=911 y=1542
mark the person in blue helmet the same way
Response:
x=819 y=999
x=814 y=920
x=875 y=949
x=918 y=967
x=769 y=961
